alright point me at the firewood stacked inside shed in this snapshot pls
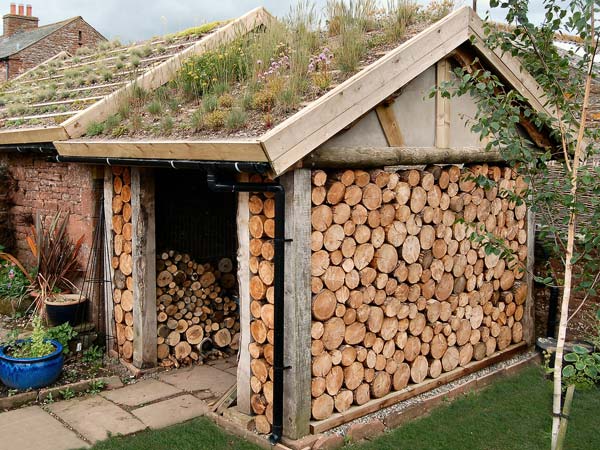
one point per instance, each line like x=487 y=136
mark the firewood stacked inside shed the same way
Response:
x=122 y=261
x=402 y=288
x=197 y=310
x=261 y=227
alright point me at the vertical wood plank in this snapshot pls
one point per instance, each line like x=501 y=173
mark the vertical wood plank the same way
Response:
x=529 y=313
x=243 y=273
x=297 y=355
x=144 y=267
x=108 y=271
x=389 y=124
x=442 y=107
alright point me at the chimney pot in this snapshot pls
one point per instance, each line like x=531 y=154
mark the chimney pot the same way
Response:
x=29 y=11
x=21 y=10
x=13 y=8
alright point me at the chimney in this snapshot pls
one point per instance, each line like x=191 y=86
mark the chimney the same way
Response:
x=16 y=22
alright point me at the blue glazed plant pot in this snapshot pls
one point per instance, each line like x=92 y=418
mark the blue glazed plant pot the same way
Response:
x=31 y=373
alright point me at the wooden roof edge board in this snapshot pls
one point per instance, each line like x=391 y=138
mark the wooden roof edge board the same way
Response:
x=27 y=72
x=509 y=67
x=32 y=135
x=215 y=150
x=76 y=126
x=294 y=138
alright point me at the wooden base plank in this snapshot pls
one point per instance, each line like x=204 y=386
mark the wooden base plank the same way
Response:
x=412 y=391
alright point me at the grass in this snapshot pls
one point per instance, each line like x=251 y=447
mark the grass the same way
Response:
x=511 y=414
x=514 y=413
x=199 y=433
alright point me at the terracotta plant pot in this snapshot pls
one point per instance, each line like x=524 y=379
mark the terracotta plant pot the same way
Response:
x=62 y=308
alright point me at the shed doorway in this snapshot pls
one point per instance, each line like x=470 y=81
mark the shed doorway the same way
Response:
x=197 y=290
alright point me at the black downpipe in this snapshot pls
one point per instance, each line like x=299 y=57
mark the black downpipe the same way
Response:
x=552 y=301
x=279 y=257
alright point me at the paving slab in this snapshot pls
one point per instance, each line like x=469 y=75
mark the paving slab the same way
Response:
x=96 y=418
x=34 y=429
x=198 y=378
x=140 y=393
x=169 y=412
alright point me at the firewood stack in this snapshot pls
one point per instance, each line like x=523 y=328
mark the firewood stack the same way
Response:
x=194 y=302
x=401 y=290
x=122 y=261
x=261 y=227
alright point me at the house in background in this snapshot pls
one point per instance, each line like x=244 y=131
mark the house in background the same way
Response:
x=24 y=44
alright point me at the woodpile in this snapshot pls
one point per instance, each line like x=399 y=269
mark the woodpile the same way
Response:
x=121 y=261
x=261 y=228
x=195 y=303
x=405 y=283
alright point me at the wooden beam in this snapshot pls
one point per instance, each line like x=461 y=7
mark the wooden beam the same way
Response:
x=412 y=391
x=144 y=267
x=297 y=136
x=389 y=124
x=298 y=300
x=109 y=272
x=469 y=62
x=372 y=157
x=442 y=106
x=508 y=67
x=217 y=150
x=32 y=135
x=529 y=311
x=243 y=273
x=164 y=72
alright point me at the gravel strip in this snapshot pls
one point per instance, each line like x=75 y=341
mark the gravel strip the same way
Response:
x=383 y=413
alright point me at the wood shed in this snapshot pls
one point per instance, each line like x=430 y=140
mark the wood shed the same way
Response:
x=329 y=240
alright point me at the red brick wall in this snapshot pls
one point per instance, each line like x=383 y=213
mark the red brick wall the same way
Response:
x=40 y=186
x=13 y=23
x=65 y=39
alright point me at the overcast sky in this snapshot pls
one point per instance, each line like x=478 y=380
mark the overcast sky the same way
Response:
x=141 y=19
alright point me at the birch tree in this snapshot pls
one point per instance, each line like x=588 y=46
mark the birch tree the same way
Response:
x=566 y=208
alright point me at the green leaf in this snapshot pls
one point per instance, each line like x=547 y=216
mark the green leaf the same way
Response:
x=571 y=357
x=580 y=350
x=568 y=371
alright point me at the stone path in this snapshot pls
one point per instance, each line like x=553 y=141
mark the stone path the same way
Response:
x=176 y=396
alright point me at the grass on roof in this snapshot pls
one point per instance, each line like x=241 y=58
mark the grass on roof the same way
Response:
x=70 y=84
x=248 y=86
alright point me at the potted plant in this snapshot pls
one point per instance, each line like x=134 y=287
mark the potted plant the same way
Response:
x=31 y=363
x=55 y=293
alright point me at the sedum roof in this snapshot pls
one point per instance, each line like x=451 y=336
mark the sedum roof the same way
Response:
x=59 y=98
x=256 y=116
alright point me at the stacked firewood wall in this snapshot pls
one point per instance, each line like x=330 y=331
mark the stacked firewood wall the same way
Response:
x=403 y=290
x=122 y=261
x=195 y=302
x=261 y=226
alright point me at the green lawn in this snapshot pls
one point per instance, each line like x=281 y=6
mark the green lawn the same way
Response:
x=512 y=414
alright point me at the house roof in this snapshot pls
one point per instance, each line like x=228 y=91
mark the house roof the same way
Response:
x=13 y=44
x=307 y=128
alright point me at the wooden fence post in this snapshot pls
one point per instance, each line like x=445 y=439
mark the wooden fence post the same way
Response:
x=297 y=355
x=144 y=267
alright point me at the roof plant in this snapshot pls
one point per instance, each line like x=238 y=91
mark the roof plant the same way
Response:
x=566 y=77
